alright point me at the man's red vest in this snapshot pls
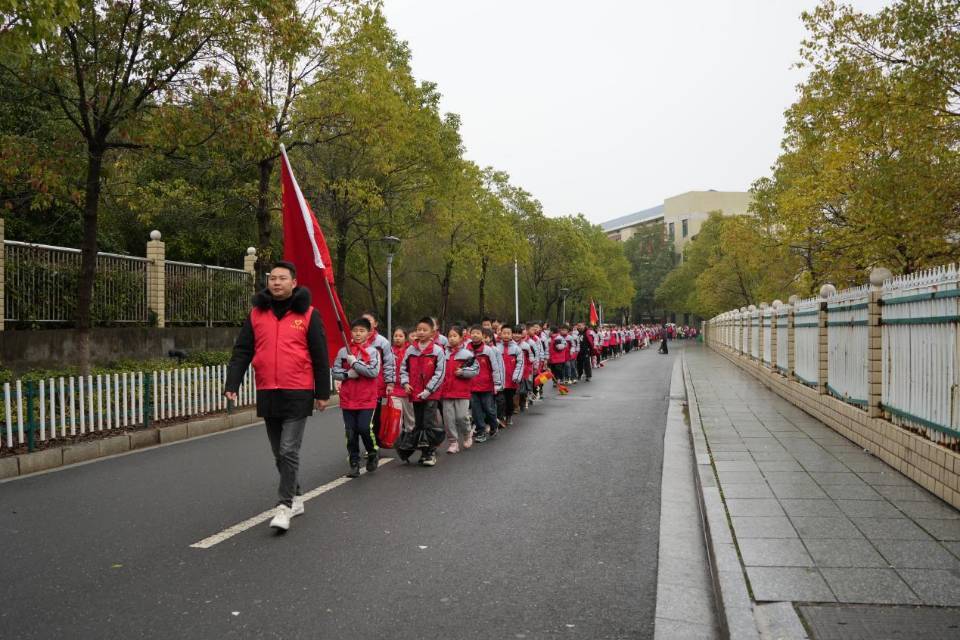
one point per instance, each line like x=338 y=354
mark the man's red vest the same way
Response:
x=281 y=357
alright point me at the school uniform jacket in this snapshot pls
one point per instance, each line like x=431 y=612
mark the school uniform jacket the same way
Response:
x=529 y=358
x=558 y=349
x=457 y=387
x=359 y=390
x=388 y=366
x=490 y=376
x=512 y=357
x=423 y=369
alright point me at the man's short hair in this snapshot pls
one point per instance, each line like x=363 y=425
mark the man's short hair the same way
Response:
x=289 y=266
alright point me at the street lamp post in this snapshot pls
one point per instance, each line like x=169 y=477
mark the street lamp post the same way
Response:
x=563 y=292
x=392 y=242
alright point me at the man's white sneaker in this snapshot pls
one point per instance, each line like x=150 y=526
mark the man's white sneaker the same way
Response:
x=282 y=518
x=297 y=506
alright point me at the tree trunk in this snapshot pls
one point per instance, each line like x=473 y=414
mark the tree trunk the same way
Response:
x=264 y=228
x=445 y=293
x=484 y=262
x=88 y=255
x=372 y=289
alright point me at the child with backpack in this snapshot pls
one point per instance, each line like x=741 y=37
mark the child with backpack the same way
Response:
x=421 y=374
x=461 y=369
x=485 y=385
x=357 y=367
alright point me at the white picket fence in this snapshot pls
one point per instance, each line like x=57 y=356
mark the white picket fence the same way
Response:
x=77 y=405
x=847 y=344
x=921 y=361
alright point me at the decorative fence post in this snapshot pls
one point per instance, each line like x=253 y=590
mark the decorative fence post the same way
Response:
x=774 y=325
x=826 y=291
x=2 y=292
x=156 y=278
x=791 y=338
x=875 y=343
x=250 y=266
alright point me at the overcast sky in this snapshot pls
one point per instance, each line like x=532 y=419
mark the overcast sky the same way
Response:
x=609 y=106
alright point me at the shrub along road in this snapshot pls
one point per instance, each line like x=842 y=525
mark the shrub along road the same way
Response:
x=551 y=530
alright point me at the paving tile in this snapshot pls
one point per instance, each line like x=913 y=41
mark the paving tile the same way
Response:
x=931 y=510
x=763 y=527
x=739 y=477
x=824 y=465
x=905 y=492
x=953 y=546
x=941 y=529
x=886 y=478
x=827 y=478
x=890 y=529
x=770 y=552
x=877 y=586
x=797 y=490
x=869 y=508
x=731 y=455
x=786 y=476
x=736 y=465
x=794 y=584
x=753 y=507
x=864 y=463
x=725 y=446
x=806 y=507
x=779 y=465
x=876 y=622
x=747 y=491
x=917 y=554
x=821 y=527
x=843 y=553
x=772 y=455
x=940 y=587
x=854 y=492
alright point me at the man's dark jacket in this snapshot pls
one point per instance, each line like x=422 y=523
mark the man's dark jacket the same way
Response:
x=283 y=403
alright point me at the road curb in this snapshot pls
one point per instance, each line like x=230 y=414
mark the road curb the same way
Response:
x=75 y=453
x=740 y=617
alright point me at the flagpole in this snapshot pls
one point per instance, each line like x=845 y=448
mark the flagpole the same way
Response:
x=516 y=291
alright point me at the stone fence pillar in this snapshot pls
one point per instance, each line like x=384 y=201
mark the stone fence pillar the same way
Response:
x=826 y=291
x=760 y=337
x=156 y=278
x=875 y=343
x=774 y=338
x=250 y=266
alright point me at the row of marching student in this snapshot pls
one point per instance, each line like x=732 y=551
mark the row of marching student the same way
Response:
x=421 y=390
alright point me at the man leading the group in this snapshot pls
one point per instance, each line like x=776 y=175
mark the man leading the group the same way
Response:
x=283 y=338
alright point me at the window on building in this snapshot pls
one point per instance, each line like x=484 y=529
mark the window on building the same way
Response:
x=683 y=228
x=671 y=230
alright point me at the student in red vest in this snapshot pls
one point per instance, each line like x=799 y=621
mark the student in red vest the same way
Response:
x=512 y=356
x=558 y=347
x=485 y=386
x=461 y=369
x=283 y=338
x=400 y=344
x=422 y=373
x=357 y=367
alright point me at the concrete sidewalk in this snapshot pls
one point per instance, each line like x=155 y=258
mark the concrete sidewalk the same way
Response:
x=816 y=519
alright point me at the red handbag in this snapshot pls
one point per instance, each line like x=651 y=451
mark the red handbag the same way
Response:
x=391 y=416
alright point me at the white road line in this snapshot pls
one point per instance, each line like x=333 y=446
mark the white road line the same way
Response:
x=240 y=527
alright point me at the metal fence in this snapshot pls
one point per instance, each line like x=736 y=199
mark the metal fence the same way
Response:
x=202 y=294
x=42 y=283
x=766 y=327
x=920 y=318
x=782 y=314
x=56 y=408
x=806 y=339
x=847 y=344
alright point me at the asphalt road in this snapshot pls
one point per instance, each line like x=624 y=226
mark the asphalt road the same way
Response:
x=550 y=531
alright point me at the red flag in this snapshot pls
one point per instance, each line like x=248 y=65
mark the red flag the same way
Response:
x=305 y=246
x=594 y=318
